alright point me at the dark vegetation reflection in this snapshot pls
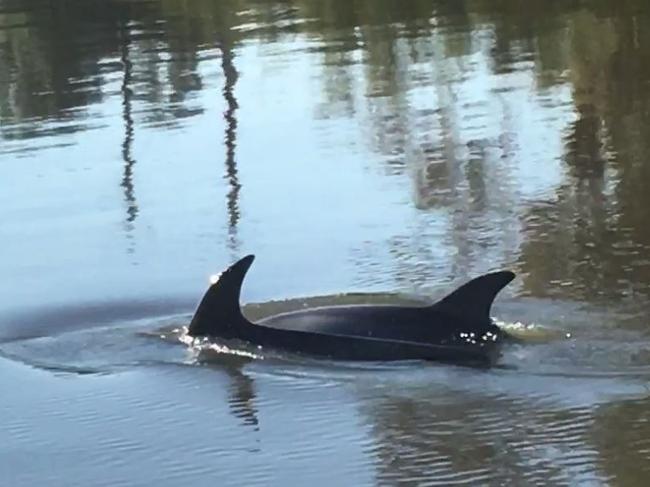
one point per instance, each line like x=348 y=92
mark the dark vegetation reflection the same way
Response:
x=499 y=444
x=127 y=143
x=230 y=75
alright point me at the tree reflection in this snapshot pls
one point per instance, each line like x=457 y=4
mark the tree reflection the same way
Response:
x=488 y=441
x=127 y=143
x=621 y=432
x=400 y=68
x=592 y=237
x=230 y=74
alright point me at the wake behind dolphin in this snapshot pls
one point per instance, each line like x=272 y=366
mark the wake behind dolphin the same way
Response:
x=456 y=329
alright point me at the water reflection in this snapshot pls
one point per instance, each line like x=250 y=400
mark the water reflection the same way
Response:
x=621 y=433
x=591 y=238
x=242 y=395
x=383 y=146
x=421 y=439
x=230 y=139
x=127 y=143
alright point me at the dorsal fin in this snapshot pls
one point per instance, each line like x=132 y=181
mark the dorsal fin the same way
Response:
x=473 y=300
x=219 y=309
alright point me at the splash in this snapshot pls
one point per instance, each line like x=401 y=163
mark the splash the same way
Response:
x=531 y=331
x=199 y=347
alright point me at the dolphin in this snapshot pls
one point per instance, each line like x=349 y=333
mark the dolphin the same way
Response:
x=457 y=329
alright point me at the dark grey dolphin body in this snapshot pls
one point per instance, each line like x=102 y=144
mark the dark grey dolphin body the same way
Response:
x=456 y=329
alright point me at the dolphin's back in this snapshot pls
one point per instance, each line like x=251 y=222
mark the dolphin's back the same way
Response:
x=380 y=321
x=413 y=324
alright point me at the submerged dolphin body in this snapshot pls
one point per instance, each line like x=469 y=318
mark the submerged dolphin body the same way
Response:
x=456 y=329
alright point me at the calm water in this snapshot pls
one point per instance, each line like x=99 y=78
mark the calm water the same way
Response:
x=353 y=146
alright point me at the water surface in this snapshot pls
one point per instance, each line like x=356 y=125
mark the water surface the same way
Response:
x=354 y=146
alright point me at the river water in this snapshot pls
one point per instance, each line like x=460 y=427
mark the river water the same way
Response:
x=390 y=148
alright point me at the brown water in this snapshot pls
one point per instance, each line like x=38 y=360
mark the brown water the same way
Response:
x=353 y=146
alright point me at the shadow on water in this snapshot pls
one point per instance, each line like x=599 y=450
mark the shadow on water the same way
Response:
x=53 y=321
